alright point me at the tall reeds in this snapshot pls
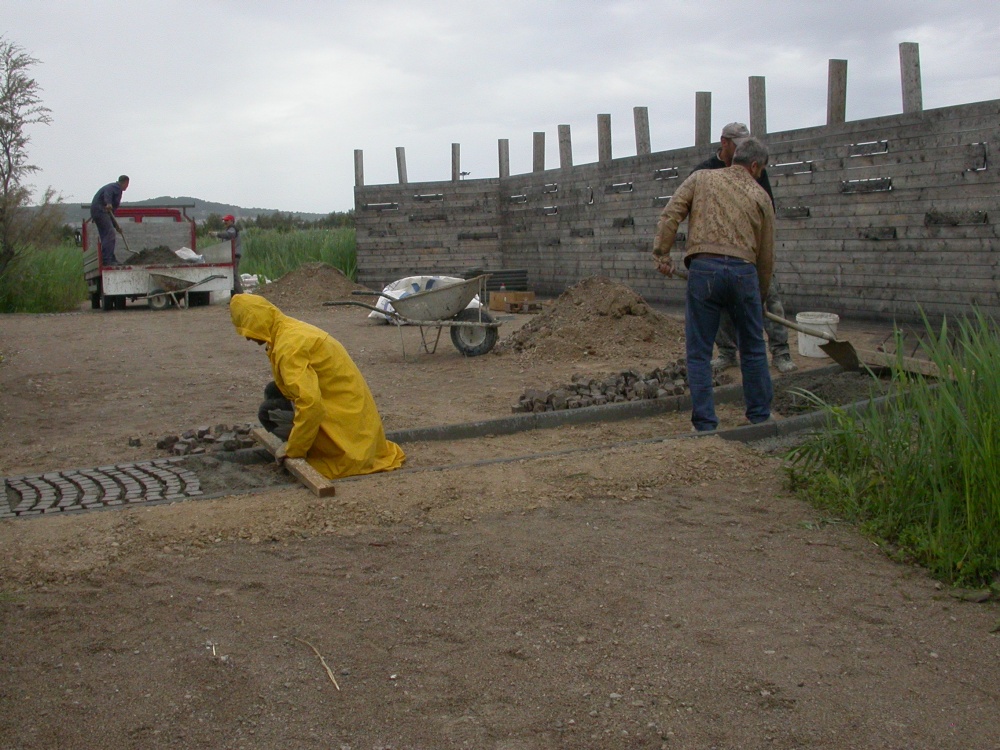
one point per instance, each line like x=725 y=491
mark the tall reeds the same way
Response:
x=921 y=470
x=271 y=253
x=44 y=281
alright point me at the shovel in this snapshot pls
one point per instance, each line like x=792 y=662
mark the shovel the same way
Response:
x=124 y=238
x=840 y=351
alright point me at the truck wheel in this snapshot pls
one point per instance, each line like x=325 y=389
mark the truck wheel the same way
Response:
x=158 y=303
x=95 y=300
x=472 y=341
x=107 y=302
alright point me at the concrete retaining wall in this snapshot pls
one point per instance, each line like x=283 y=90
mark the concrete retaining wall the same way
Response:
x=877 y=218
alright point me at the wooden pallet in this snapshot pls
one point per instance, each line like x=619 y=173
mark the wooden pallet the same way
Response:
x=300 y=468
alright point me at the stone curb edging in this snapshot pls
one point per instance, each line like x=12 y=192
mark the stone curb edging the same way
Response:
x=726 y=394
x=743 y=434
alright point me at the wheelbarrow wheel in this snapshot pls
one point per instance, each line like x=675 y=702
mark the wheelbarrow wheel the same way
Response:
x=472 y=341
x=161 y=302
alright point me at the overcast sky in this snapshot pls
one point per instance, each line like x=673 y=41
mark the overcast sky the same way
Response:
x=262 y=104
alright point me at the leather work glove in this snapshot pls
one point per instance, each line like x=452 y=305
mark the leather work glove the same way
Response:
x=283 y=420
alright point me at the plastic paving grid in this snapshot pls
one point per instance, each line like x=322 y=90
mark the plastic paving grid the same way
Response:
x=104 y=487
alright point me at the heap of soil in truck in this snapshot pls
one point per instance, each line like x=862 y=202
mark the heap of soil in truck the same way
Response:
x=157 y=256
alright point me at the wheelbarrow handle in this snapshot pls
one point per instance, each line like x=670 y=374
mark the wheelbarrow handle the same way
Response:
x=345 y=303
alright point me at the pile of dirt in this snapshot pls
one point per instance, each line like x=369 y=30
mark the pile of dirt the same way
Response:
x=157 y=256
x=793 y=394
x=599 y=318
x=308 y=286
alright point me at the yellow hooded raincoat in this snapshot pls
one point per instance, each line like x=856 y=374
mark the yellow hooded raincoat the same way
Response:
x=337 y=428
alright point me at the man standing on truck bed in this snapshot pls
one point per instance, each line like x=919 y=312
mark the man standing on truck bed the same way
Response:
x=102 y=211
x=232 y=232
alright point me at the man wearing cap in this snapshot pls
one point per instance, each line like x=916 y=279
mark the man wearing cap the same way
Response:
x=102 y=212
x=729 y=256
x=232 y=232
x=777 y=335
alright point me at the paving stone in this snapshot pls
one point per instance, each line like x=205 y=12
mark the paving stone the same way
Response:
x=78 y=490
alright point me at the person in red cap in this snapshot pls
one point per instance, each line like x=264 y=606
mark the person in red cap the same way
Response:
x=232 y=232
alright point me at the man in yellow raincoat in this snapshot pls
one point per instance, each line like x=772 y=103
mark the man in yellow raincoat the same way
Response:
x=336 y=428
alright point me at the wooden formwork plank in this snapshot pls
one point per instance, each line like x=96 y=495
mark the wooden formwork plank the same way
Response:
x=300 y=468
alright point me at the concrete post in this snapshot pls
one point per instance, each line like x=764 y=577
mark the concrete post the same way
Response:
x=758 y=107
x=604 y=138
x=401 y=164
x=836 y=92
x=702 y=118
x=538 y=152
x=909 y=64
x=456 y=162
x=565 y=147
x=503 y=156
x=359 y=168
x=640 y=116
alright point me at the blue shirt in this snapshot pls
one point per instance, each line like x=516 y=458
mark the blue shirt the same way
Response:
x=109 y=195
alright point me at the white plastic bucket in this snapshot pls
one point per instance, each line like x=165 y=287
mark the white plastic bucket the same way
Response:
x=820 y=321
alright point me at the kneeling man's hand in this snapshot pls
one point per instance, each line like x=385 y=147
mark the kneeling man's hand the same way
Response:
x=281 y=454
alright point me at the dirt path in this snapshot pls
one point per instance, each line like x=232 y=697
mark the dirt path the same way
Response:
x=665 y=594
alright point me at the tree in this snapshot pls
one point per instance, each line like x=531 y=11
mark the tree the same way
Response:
x=214 y=223
x=20 y=107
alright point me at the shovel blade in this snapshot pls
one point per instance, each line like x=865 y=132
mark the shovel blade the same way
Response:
x=843 y=353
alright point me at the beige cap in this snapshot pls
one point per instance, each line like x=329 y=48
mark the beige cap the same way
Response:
x=735 y=130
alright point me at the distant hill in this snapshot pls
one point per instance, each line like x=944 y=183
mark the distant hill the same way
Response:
x=200 y=211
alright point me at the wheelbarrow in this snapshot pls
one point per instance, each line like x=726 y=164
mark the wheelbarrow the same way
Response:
x=173 y=289
x=473 y=331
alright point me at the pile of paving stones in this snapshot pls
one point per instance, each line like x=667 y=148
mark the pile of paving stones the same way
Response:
x=208 y=440
x=628 y=385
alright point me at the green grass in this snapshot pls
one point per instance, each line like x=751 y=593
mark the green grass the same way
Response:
x=921 y=473
x=44 y=281
x=272 y=253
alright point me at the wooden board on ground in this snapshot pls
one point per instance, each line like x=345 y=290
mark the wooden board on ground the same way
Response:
x=300 y=468
x=499 y=299
x=522 y=307
x=909 y=364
